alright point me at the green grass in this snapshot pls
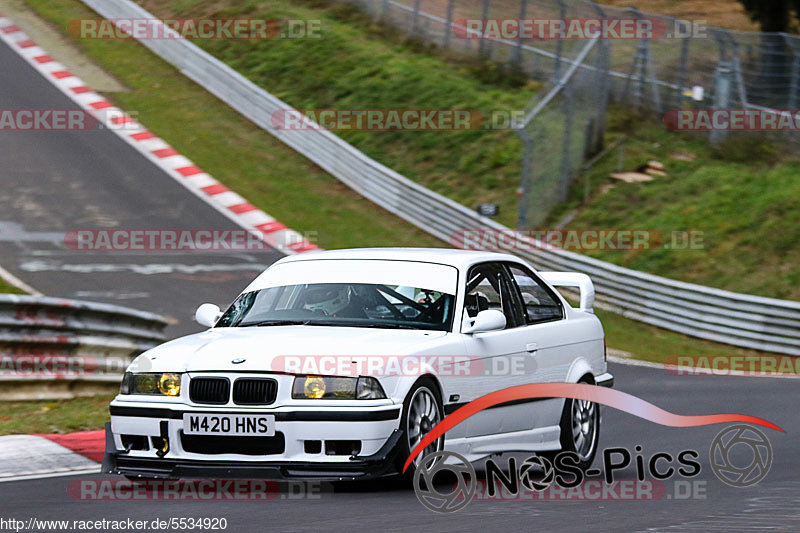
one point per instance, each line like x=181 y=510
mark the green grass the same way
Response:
x=61 y=416
x=7 y=288
x=743 y=198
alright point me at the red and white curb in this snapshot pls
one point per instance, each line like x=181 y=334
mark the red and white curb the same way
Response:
x=39 y=456
x=227 y=202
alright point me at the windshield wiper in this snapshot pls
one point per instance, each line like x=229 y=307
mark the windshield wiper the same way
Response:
x=367 y=325
x=276 y=323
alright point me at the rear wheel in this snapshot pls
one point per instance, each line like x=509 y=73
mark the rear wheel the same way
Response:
x=580 y=430
x=422 y=410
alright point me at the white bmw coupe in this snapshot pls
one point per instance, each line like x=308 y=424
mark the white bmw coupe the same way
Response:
x=333 y=365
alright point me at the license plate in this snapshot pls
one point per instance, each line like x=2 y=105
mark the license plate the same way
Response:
x=243 y=425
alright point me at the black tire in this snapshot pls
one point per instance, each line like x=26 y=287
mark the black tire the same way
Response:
x=568 y=441
x=422 y=386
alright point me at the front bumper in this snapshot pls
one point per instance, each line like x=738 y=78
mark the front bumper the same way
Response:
x=380 y=464
x=162 y=450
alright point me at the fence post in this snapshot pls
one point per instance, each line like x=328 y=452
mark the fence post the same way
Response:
x=603 y=66
x=636 y=72
x=603 y=69
x=516 y=58
x=484 y=45
x=722 y=97
x=449 y=24
x=415 y=19
x=562 y=13
x=525 y=178
x=793 y=82
x=567 y=145
x=683 y=72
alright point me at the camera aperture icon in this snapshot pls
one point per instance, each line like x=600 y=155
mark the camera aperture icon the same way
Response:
x=729 y=451
x=457 y=495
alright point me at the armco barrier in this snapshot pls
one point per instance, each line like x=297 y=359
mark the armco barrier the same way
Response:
x=54 y=348
x=742 y=320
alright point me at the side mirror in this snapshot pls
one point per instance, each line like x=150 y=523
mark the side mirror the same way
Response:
x=207 y=315
x=488 y=320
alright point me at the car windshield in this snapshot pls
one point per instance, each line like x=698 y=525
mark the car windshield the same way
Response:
x=342 y=304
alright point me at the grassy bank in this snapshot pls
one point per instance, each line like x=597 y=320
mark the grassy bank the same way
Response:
x=61 y=416
x=742 y=199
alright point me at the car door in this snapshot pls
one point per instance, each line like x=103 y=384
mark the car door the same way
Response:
x=503 y=360
x=546 y=338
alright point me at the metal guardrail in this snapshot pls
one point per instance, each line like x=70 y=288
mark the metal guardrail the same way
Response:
x=55 y=348
x=754 y=322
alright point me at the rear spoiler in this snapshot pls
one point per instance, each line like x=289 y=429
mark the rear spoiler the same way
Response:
x=573 y=279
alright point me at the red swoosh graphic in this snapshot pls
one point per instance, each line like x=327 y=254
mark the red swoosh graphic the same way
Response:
x=579 y=391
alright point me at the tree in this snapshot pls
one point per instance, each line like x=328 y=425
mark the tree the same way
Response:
x=772 y=15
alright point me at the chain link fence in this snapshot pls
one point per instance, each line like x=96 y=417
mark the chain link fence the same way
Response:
x=680 y=64
x=560 y=129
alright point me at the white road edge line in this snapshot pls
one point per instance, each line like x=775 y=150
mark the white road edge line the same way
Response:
x=672 y=370
x=11 y=279
x=53 y=474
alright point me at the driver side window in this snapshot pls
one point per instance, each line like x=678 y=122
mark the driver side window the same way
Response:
x=488 y=288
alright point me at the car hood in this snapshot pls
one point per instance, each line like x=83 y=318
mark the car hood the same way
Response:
x=266 y=348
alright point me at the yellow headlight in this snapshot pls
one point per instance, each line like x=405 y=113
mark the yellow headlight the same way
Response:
x=314 y=387
x=170 y=384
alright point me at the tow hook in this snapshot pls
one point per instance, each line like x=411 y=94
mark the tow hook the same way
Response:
x=163 y=449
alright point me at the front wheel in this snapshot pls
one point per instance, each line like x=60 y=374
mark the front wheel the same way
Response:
x=422 y=410
x=580 y=430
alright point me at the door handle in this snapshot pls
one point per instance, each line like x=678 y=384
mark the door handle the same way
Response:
x=531 y=347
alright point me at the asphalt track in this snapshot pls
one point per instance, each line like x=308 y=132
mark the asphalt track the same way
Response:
x=54 y=182
x=379 y=506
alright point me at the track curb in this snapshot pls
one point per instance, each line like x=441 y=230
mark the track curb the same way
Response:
x=157 y=150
